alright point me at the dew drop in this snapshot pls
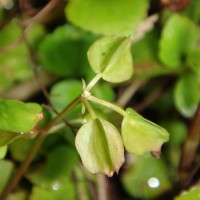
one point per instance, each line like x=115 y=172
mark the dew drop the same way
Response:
x=8 y=4
x=153 y=182
x=55 y=185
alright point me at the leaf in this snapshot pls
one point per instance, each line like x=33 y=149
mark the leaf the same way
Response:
x=140 y=135
x=100 y=147
x=63 y=92
x=194 y=60
x=18 y=117
x=6 y=169
x=7 y=137
x=59 y=164
x=187 y=94
x=192 y=194
x=111 y=57
x=66 y=191
x=179 y=37
x=146 y=178
x=3 y=151
x=63 y=52
x=113 y=17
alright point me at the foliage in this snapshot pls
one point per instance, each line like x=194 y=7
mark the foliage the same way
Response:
x=85 y=72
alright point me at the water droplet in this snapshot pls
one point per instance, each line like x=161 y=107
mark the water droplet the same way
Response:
x=153 y=182
x=8 y=4
x=21 y=133
x=55 y=185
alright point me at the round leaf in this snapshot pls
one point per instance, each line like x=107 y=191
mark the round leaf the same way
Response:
x=187 y=94
x=179 y=37
x=18 y=117
x=107 y=17
x=63 y=52
x=146 y=178
x=100 y=147
x=111 y=56
x=140 y=135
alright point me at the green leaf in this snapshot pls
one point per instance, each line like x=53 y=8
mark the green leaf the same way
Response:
x=59 y=164
x=194 y=60
x=111 y=56
x=179 y=37
x=18 y=117
x=7 y=137
x=100 y=147
x=6 y=169
x=146 y=178
x=63 y=52
x=140 y=135
x=20 y=148
x=63 y=92
x=187 y=94
x=66 y=191
x=3 y=151
x=192 y=194
x=113 y=17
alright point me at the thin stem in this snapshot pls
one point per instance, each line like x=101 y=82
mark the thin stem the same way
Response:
x=43 y=133
x=108 y=105
x=89 y=108
x=102 y=187
x=93 y=82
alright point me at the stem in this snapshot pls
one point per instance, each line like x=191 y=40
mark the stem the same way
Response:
x=93 y=82
x=102 y=187
x=43 y=133
x=108 y=105
x=89 y=108
x=190 y=146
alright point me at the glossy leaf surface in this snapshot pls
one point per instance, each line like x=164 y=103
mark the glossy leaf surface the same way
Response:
x=111 y=57
x=100 y=147
x=140 y=135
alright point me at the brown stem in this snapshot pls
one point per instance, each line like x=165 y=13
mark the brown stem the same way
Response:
x=43 y=133
x=190 y=146
x=102 y=187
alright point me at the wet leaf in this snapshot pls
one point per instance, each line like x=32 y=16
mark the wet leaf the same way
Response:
x=66 y=191
x=187 y=94
x=179 y=37
x=146 y=178
x=113 y=17
x=140 y=135
x=111 y=56
x=100 y=147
